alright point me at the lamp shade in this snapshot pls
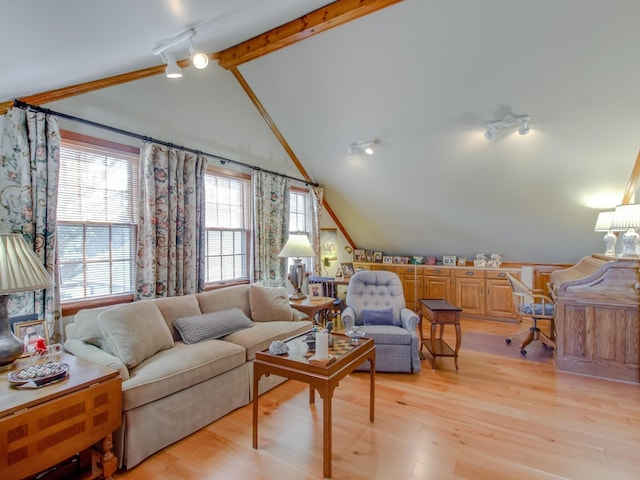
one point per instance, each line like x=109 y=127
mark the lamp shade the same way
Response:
x=297 y=246
x=21 y=270
x=626 y=216
x=604 y=221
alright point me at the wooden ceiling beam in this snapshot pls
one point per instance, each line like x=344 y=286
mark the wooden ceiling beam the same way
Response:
x=320 y=20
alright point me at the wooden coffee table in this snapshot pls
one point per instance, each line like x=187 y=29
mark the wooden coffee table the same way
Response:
x=39 y=428
x=295 y=366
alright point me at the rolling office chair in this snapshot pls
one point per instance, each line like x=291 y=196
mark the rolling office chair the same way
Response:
x=532 y=304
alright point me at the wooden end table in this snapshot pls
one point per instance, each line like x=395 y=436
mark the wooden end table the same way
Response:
x=295 y=366
x=312 y=307
x=440 y=312
x=40 y=428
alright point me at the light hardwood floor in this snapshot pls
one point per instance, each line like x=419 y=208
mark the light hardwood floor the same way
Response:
x=496 y=418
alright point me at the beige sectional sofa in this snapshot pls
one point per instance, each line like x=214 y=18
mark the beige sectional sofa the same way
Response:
x=171 y=388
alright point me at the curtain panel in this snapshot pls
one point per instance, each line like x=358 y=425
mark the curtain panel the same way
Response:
x=317 y=196
x=271 y=222
x=29 y=169
x=171 y=233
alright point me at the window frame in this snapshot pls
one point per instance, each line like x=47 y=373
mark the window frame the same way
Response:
x=248 y=231
x=71 y=307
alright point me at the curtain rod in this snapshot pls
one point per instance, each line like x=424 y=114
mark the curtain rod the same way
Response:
x=20 y=104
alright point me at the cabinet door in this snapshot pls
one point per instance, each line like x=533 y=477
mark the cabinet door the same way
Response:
x=411 y=279
x=469 y=286
x=438 y=288
x=499 y=299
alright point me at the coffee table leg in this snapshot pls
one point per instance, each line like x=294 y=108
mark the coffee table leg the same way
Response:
x=256 y=378
x=326 y=454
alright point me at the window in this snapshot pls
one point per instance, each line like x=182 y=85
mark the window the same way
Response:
x=97 y=215
x=227 y=208
x=298 y=210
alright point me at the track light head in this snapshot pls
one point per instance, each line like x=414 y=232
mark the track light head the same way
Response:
x=524 y=127
x=172 y=70
x=508 y=121
x=362 y=147
x=199 y=59
x=489 y=134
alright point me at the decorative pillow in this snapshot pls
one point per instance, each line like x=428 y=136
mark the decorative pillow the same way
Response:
x=134 y=332
x=211 y=325
x=378 y=317
x=269 y=304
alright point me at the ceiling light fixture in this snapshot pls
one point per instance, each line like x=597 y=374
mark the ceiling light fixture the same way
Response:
x=199 y=59
x=509 y=121
x=362 y=147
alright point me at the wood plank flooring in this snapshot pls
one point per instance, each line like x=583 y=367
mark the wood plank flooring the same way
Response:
x=496 y=418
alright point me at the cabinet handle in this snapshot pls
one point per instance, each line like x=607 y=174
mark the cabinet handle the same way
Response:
x=410 y=270
x=470 y=274
x=502 y=274
x=437 y=271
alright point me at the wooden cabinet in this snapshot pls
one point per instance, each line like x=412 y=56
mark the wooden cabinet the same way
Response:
x=436 y=283
x=470 y=290
x=412 y=284
x=499 y=296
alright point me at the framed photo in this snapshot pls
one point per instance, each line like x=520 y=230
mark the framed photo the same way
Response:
x=377 y=257
x=347 y=269
x=359 y=255
x=369 y=255
x=396 y=259
x=30 y=333
x=449 y=260
x=387 y=259
x=462 y=262
x=315 y=291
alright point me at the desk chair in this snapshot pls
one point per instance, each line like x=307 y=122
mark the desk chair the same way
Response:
x=532 y=304
x=329 y=289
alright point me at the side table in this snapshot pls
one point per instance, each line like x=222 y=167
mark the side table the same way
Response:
x=440 y=312
x=312 y=307
x=40 y=428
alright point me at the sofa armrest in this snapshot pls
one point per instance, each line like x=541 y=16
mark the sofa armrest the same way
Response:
x=299 y=316
x=409 y=319
x=94 y=354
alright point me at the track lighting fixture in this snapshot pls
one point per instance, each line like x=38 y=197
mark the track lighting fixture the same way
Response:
x=362 y=147
x=199 y=59
x=509 y=121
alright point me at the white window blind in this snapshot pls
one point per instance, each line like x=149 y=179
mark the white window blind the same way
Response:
x=97 y=215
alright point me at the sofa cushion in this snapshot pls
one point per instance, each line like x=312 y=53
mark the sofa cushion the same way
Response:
x=387 y=335
x=87 y=328
x=179 y=368
x=134 y=331
x=378 y=316
x=260 y=336
x=177 y=307
x=269 y=304
x=224 y=299
x=211 y=325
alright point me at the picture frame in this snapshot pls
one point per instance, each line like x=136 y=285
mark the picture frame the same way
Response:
x=377 y=257
x=387 y=259
x=359 y=255
x=369 y=255
x=30 y=332
x=462 y=261
x=329 y=243
x=315 y=291
x=449 y=260
x=347 y=269
x=396 y=259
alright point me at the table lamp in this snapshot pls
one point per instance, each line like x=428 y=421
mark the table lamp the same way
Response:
x=627 y=217
x=20 y=271
x=603 y=224
x=297 y=246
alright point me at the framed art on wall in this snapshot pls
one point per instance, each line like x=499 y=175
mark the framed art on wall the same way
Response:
x=347 y=269
x=329 y=243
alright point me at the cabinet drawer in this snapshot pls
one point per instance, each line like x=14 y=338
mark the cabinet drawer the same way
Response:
x=469 y=273
x=501 y=274
x=437 y=271
x=408 y=270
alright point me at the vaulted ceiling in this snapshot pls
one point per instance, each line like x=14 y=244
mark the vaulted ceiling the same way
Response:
x=421 y=77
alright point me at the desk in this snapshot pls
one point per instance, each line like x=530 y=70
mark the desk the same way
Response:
x=312 y=308
x=440 y=312
x=42 y=427
x=295 y=365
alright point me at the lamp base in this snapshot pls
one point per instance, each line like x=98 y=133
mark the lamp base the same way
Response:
x=10 y=347
x=297 y=296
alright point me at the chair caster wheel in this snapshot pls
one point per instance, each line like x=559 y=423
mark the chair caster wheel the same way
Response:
x=507 y=341
x=523 y=352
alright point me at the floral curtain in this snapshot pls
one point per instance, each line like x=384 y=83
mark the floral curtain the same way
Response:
x=271 y=214
x=171 y=247
x=317 y=195
x=29 y=168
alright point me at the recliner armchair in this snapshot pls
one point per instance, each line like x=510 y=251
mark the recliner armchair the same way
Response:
x=376 y=303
